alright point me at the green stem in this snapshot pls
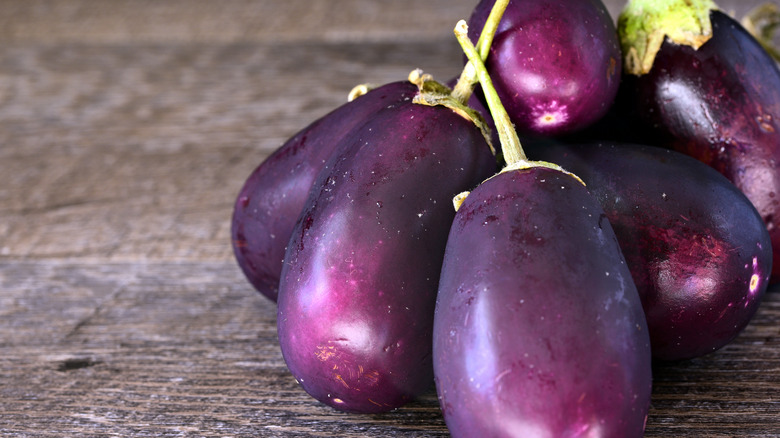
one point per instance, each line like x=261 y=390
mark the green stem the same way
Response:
x=510 y=143
x=468 y=77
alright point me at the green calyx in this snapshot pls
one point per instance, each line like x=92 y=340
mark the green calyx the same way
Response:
x=433 y=93
x=645 y=24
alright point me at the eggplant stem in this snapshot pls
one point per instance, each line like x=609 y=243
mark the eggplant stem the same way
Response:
x=510 y=142
x=464 y=88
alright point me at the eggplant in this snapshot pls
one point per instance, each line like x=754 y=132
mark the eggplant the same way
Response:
x=555 y=64
x=539 y=329
x=360 y=275
x=715 y=98
x=274 y=194
x=696 y=247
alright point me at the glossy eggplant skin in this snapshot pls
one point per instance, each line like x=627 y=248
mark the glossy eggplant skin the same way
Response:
x=697 y=249
x=359 y=282
x=554 y=63
x=721 y=105
x=275 y=193
x=538 y=331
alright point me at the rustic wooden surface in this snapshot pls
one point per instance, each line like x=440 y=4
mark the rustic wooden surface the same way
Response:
x=126 y=130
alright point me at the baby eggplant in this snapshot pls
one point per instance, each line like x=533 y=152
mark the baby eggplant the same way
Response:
x=360 y=276
x=715 y=97
x=274 y=195
x=697 y=249
x=538 y=330
x=555 y=63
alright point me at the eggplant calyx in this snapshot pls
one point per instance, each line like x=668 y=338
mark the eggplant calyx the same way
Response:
x=644 y=25
x=458 y=200
x=433 y=93
x=521 y=165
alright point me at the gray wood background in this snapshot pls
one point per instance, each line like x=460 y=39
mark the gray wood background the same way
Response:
x=126 y=130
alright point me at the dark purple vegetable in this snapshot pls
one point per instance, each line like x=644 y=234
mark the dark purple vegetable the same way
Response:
x=274 y=195
x=719 y=103
x=697 y=249
x=358 y=287
x=539 y=330
x=555 y=64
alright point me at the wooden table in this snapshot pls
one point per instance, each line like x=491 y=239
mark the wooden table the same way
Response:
x=126 y=130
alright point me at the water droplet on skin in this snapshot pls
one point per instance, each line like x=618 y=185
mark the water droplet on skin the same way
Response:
x=379 y=204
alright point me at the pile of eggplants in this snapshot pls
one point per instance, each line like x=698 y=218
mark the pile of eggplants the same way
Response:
x=714 y=96
x=537 y=305
x=274 y=195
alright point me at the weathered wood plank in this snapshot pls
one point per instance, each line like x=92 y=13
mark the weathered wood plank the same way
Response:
x=236 y=21
x=176 y=349
x=137 y=152
x=177 y=21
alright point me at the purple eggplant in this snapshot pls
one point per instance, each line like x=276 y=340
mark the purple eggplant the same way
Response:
x=274 y=195
x=539 y=329
x=697 y=249
x=359 y=282
x=555 y=64
x=719 y=103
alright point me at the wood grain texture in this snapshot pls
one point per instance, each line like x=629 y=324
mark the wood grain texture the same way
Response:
x=236 y=21
x=126 y=130
x=228 y=21
x=137 y=152
x=187 y=349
